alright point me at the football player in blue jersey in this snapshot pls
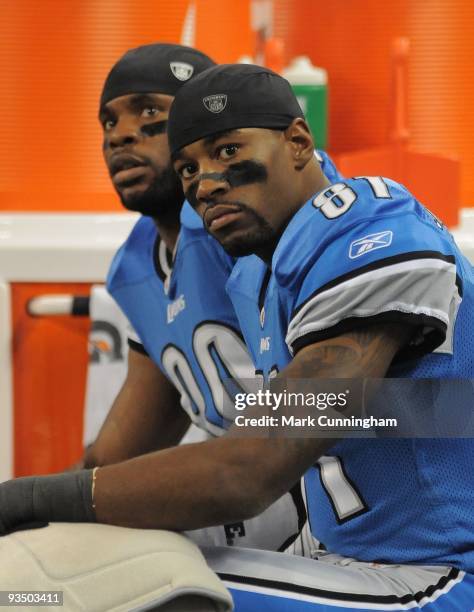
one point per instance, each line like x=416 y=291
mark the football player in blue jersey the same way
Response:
x=351 y=280
x=134 y=105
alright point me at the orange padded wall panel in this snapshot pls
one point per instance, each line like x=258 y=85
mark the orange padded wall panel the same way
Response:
x=352 y=39
x=441 y=100
x=49 y=373
x=54 y=56
x=223 y=29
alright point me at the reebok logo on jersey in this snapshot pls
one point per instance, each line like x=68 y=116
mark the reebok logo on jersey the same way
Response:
x=175 y=308
x=370 y=243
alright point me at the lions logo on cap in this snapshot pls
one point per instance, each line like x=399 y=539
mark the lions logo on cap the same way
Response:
x=215 y=103
x=181 y=70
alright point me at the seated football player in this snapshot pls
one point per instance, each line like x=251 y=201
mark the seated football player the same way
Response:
x=350 y=280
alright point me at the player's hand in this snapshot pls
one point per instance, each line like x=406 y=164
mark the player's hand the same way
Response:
x=14 y=508
x=15 y=504
x=34 y=501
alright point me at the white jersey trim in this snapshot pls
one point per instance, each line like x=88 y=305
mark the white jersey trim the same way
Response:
x=424 y=286
x=333 y=580
x=327 y=601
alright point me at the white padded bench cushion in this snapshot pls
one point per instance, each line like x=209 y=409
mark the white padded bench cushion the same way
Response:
x=101 y=567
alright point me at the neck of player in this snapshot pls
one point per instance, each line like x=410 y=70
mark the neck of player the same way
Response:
x=168 y=227
x=311 y=181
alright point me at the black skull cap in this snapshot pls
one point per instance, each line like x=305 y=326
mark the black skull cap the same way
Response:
x=229 y=97
x=157 y=68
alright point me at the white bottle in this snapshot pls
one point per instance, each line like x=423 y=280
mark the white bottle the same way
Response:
x=309 y=84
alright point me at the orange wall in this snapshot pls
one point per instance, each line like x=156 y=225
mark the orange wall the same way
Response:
x=352 y=38
x=54 y=56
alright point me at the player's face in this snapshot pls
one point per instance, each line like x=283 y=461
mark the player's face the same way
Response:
x=137 y=155
x=240 y=183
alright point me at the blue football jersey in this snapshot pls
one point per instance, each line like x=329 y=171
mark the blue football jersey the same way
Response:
x=181 y=313
x=365 y=250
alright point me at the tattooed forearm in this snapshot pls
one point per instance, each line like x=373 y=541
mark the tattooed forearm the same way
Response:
x=363 y=353
x=366 y=353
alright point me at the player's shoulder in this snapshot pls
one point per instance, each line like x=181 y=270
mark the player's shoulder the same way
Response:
x=354 y=222
x=134 y=259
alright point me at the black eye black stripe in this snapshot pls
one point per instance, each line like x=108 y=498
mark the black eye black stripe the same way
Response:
x=191 y=195
x=153 y=129
x=239 y=174
x=215 y=176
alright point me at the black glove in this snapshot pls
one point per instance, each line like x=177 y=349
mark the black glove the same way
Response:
x=63 y=497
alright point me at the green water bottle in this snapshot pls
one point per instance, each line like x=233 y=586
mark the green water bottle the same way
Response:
x=310 y=86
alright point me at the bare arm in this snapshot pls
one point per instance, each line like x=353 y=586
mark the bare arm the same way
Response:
x=208 y=484
x=145 y=416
